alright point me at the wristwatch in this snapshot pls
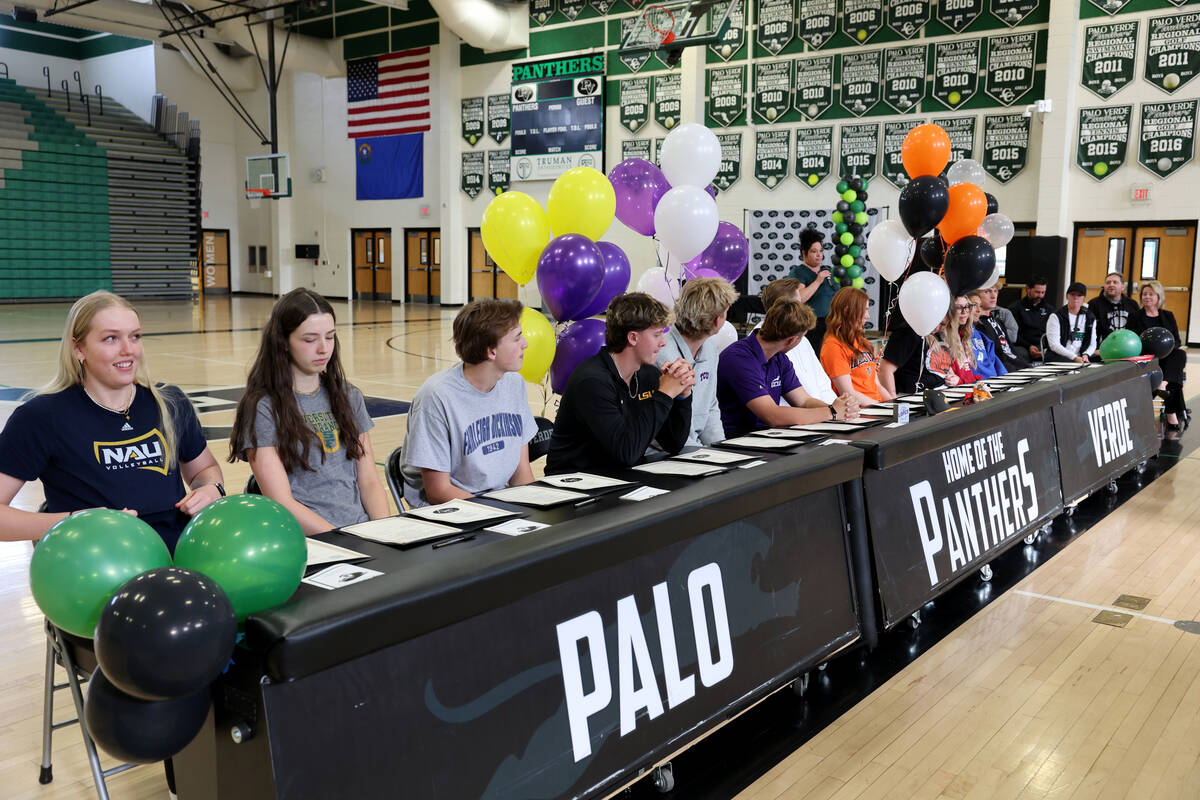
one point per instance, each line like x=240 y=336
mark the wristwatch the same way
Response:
x=220 y=487
x=832 y=411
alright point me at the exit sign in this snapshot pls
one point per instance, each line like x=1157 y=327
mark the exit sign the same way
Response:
x=1139 y=193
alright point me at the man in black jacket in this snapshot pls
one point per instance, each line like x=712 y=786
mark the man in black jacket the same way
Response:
x=1112 y=308
x=618 y=401
x=1031 y=312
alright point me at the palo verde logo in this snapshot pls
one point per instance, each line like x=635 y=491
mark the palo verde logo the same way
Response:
x=148 y=451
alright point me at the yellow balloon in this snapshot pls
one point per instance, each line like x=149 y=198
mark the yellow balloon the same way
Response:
x=515 y=230
x=540 y=352
x=581 y=201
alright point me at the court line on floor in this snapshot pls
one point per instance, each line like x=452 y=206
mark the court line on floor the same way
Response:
x=1094 y=606
x=203 y=331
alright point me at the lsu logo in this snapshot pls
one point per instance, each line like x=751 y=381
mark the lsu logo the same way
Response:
x=148 y=451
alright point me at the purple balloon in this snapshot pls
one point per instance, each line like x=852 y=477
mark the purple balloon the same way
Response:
x=639 y=186
x=578 y=341
x=711 y=189
x=727 y=256
x=570 y=273
x=616 y=279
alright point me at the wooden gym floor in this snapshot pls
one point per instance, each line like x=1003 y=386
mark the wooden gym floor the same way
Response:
x=1028 y=698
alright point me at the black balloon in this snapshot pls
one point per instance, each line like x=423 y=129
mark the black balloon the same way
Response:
x=993 y=204
x=166 y=633
x=969 y=263
x=839 y=272
x=1158 y=342
x=839 y=250
x=843 y=206
x=856 y=185
x=945 y=181
x=933 y=251
x=862 y=195
x=860 y=262
x=923 y=203
x=141 y=731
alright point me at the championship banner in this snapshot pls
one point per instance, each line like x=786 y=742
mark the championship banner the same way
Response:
x=956 y=71
x=602 y=6
x=658 y=143
x=571 y=9
x=1103 y=139
x=540 y=11
x=635 y=103
x=635 y=148
x=1013 y=12
x=726 y=95
x=958 y=14
x=497 y=117
x=904 y=77
x=1005 y=145
x=1110 y=7
x=734 y=39
x=557 y=116
x=668 y=99
x=472 y=119
x=962 y=136
x=859 y=150
x=893 y=140
x=909 y=17
x=1173 y=50
x=731 y=160
x=772 y=89
x=633 y=61
x=497 y=170
x=1109 y=53
x=940 y=516
x=812 y=92
x=775 y=22
x=472 y=174
x=862 y=19
x=818 y=22
x=1168 y=136
x=1010 y=63
x=814 y=154
x=772 y=151
x=862 y=75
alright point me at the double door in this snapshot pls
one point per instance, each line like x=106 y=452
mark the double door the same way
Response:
x=487 y=279
x=423 y=265
x=372 y=264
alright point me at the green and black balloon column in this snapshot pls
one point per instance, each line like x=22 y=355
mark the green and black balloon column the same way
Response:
x=849 y=231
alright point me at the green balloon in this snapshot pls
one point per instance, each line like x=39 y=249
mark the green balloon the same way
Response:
x=861 y=218
x=85 y=558
x=837 y=217
x=853 y=271
x=1121 y=343
x=850 y=196
x=859 y=283
x=251 y=546
x=840 y=228
x=847 y=261
x=855 y=250
x=847 y=238
x=842 y=186
x=858 y=206
x=866 y=184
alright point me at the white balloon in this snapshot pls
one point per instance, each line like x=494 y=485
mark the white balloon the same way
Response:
x=655 y=283
x=724 y=337
x=690 y=155
x=997 y=229
x=890 y=249
x=994 y=279
x=686 y=221
x=924 y=301
x=966 y=170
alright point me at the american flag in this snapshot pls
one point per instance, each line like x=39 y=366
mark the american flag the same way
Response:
x=388 y=95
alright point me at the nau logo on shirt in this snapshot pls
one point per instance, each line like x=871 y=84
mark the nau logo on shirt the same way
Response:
x=482 y=432
x=148 y=451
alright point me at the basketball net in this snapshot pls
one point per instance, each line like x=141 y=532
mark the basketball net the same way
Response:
x=661 y=23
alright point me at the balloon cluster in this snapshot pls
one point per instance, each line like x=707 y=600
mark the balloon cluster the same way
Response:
x=849 y=240
x=964 y=221
x=163 y=632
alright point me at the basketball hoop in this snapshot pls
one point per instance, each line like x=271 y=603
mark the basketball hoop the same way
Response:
x=661 y=23
x=250 y=192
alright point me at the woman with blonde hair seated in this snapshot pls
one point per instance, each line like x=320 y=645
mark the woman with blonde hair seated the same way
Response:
x=1153 y=314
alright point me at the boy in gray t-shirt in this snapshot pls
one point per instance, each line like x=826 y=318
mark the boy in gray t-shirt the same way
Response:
x=469 y=426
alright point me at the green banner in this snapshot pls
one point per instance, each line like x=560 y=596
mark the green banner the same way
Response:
x=772 y=151
x=634 y=61
x=497 y=171
x=858 y=151
x=956 y=71
x=818 y=22
x=862 y=19
x=472 y=173
x=635 y=148
x=958 y=14
x=893 y=141
x=571 y=9
x=602 y=6
x=776 y=24
x=962 y=136
x=812 y=86
x=498 y=117
x=658 y=142
x=726 y=95
x=1013 y=12
x=1173 y=50
x=862 y=77
x=635 y=103
x=1005 y=145
x=814 y=154
x=540 y=11
x=1103 y=139
x=1109 y=52
x=1010 y=63
x=668 y=99
x=904 y=76
x=734 y=39
x=1110 y=7
x=1168 y=136
x=731 y=160
x=472 y=119
x=908 y=17
x=772 y=89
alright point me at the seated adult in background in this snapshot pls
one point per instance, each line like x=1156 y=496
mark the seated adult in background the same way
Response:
x=1071 y=330
x=957 y=336
x=618 y=401
x=469 y=426
x=847 y=357
x=755 y=373
x=913 y=363
x=699 y=313
x=1150 y=315
x=817 y=281
x=803 y=357
x=999 y=325
x=1031 y=313
x=1112 y=308
x=988 y=363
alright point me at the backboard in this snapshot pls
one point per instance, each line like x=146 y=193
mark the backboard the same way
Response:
x=675 y=24
x=268 y=176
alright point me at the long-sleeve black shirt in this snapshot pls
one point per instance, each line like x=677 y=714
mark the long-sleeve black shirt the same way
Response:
x=1111 y=316
x=1031 y=321
x=601 y=428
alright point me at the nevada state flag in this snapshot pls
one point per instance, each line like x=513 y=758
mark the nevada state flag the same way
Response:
x=390 y=167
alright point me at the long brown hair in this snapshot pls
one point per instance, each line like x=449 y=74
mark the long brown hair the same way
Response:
x=844 y=321
x=957 y=337
x=271 y=377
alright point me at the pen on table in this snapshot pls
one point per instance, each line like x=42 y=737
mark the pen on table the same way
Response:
x=585 y=502
x=455 y=540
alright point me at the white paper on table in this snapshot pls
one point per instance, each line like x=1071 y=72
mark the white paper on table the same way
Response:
x=582 y=481
x=531 y=495
x=784 y=433
x=643 y=493
x=460 y=512
x=836 y=441
x=756 y=442
x=751 y=464
x=877 y=412
x=325 y=553
x=399 y=530
x=912 y=398
x=516 y=527
x=830 y=427
x=710 y=456
x=687 y=469
x=340 y=575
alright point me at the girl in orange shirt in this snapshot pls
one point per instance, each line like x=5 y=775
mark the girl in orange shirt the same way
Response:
x=846 y=355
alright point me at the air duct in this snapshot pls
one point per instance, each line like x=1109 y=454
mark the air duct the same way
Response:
x=486 y=24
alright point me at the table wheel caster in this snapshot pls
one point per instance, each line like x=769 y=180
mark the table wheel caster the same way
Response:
x=241 y=732
x=663 y=778
x=914 y=620
x=800 y=685
x=1031 y=538
x=1069 y=512
x=1112 y=487
x=985 y=573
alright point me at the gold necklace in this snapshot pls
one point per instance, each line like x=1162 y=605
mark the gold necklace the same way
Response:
x=123 y=411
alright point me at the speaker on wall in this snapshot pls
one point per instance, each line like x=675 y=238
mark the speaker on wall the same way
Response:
x=1044 y=256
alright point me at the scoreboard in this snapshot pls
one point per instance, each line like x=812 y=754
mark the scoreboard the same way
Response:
x=557 y=111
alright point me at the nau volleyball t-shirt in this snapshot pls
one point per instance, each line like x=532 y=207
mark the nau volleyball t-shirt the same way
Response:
x=90 y=457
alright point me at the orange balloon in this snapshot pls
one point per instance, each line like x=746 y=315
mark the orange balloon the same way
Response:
x=968 y=207
x=926 y=150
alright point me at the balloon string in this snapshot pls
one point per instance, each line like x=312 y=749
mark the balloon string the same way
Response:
x=895 y=298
